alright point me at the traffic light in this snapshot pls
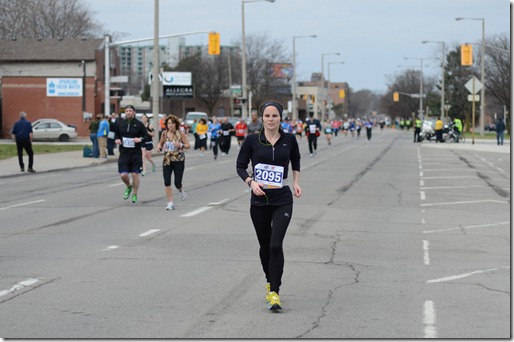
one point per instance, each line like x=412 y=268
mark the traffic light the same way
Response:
x=214 y=43
x=396 y=96
x=466 y=54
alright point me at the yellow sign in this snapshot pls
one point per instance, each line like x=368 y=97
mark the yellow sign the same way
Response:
x=214 y=43
x=342 y=94
x=466 y=54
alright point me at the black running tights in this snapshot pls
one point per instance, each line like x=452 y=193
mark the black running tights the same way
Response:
x=271 y=224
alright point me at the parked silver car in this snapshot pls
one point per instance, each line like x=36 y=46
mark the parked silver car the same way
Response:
x=52 y=129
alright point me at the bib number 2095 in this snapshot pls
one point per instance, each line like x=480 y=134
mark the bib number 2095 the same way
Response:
x=271 y=176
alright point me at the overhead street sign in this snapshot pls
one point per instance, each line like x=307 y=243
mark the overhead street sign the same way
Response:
x=469 y=85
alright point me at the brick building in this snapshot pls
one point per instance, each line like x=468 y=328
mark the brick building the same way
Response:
x=27 y=67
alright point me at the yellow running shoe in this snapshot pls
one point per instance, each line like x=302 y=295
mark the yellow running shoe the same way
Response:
x=267 y=291
x=274 y=301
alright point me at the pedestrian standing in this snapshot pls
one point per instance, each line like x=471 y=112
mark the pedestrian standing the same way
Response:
x=417 y=130
x=271 y=202
x=173 y=142
x=438 y=129
x=110 y=136
x=128 y=135
x=22 y=134
x=101 y=135
x=93 y=131
x=500 y=128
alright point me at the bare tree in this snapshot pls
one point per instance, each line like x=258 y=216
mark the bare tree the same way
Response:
x=21 y=19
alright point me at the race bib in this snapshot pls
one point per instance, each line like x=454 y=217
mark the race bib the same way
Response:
x=202 y=136
x=169 y=146
x=128 y=142
x=226 y=133
x=272 y=176
x=312 y=128
x=241 y=131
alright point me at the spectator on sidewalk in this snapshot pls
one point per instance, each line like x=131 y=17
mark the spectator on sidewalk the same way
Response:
x=500 y=128
x=103 y=130
x=22 y=134
x=93 y=131
x=113 y=120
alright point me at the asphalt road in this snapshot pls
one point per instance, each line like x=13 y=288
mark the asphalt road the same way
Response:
x=390 y=239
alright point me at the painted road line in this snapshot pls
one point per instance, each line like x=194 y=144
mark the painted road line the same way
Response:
x=466 y=227
x=422 y=195
x=449 y=177
x=149 y=232
x=426 y=255
x=21 y=204
x=115 y=184
x=196 y=212
x=421 y=183
x=110 y=248
x=423 y=220
x=462 y=202
x=19 y=286
x=465 y=275
x=218 y=203
x=429 y=320
x=453 y=187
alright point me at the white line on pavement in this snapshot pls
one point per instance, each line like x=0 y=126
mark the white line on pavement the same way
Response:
x=450 y=177
x=19 y=286
x=21 y=204
x=426 y=256
x=149 y=232
x=421 y=173
x=421 y=183
x=465 y=275
x=429 y=320
x=110 y=248
x=115 y=184
x=453 y=187
x=462 y=202
x=218 y=203
x=466 y=227
x=423 y=220
x=196 y=212
x=422 y=195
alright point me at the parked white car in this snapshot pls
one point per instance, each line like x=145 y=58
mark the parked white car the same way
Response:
x=52 y=129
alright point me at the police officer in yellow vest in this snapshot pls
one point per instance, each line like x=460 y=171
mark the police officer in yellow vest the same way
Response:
x=457 y=127
x=417 y=129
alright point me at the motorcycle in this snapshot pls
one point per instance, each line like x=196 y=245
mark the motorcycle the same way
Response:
x=427 y=133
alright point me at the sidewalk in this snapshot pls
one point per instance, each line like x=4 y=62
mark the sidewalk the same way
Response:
x=69 y=160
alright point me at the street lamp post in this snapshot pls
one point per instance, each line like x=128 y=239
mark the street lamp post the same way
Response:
x=420 y=85
x=294 y=106
x=443 y=70
x=323 y=71
x=329 y=77
x=482 y=72
x=243 y=59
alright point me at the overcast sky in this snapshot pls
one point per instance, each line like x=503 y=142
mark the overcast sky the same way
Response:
x=373 y=36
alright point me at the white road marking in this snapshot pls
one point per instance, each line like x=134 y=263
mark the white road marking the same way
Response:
x=465 y=275
x=462 y=202
x=449 y=177
x=19 y=286
x=423 y=221
x=454 y=187
x=422 y=195
x=196 y=212
x=421 y=183
x=421 y=173
x=110 y=248
x=466 y=227
x=149 y=232
x=21 y=204
x=116 y=184
x=429 y=320
x=426 y=256
x=420 y=167
x=218 y=203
